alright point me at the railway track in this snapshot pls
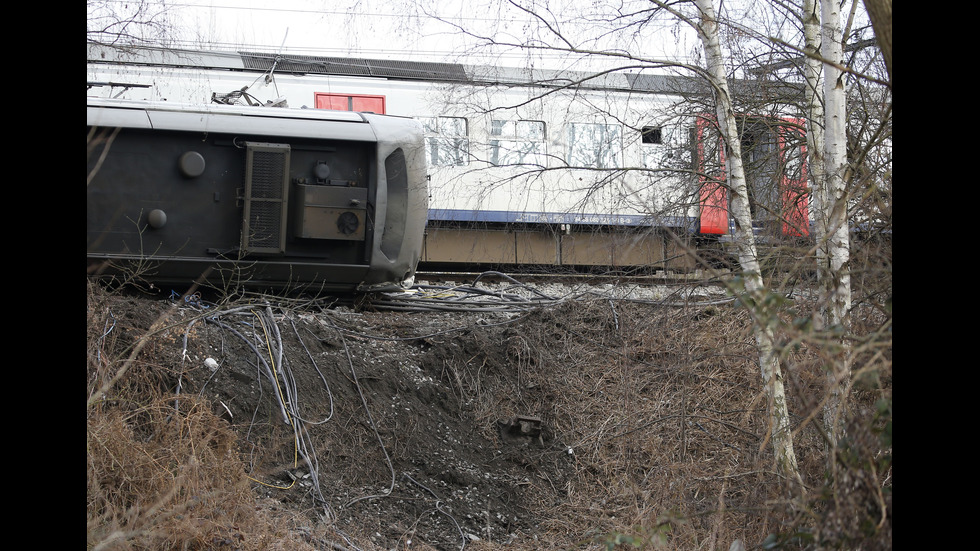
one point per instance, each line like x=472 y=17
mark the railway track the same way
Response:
x=512 y=292
x=659 y=277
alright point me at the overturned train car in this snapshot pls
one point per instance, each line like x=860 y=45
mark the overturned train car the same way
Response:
x=238 y=196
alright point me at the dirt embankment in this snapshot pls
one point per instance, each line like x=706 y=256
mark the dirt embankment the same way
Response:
x=326 y=427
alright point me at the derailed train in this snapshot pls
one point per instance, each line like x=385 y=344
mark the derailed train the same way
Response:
x=524 y=167
x=235 y=196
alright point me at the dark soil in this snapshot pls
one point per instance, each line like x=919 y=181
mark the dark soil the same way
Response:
x=411 y=418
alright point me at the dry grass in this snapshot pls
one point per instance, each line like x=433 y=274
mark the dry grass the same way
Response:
x=163 y=470
x=664 y=412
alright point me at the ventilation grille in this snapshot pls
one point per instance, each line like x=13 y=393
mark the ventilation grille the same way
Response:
x=266 y=188
x=355 y=66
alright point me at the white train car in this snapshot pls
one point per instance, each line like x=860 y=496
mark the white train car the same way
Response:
x=525 y=167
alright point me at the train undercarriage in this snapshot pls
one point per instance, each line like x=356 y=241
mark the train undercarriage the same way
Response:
x=558 y=247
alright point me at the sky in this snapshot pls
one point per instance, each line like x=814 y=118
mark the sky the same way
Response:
x=402 y=29
x=307 y=26
x=437 y=30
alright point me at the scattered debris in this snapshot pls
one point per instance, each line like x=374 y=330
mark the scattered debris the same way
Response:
x=521 y=425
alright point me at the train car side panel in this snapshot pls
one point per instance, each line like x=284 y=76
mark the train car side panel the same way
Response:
x=520 y=169
x=713 y=214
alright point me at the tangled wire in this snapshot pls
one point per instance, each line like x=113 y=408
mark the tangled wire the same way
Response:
x=513 y=296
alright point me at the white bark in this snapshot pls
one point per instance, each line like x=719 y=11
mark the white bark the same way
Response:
x=745 y=241
x=815 y=122
x=836 y=278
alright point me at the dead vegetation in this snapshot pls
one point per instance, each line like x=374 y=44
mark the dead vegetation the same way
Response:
x=653 y=429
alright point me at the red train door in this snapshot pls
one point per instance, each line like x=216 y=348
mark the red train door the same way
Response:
x=793 y=185
x=791 y=206
x=713 y=195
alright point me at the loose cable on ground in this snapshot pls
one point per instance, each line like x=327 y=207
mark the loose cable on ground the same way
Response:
x=471 y=298
x=462 y=536
x=367 y=411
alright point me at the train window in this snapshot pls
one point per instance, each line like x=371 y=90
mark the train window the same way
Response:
x=793 y=151
x=446 y=141
x=760 y=163
x=593 y=145
x=652 y=141
x=652 y=135
x=517 y=142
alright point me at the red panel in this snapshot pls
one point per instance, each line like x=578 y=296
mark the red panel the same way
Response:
x=369 y=104
x=713 y=214
x=350 y=102
x=714 y=208
x=792 y=190
x=793 y=185
x=336 y=102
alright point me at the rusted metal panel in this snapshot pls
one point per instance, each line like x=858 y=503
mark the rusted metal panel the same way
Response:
x=546 y=248
x=520 y=425
x=678 y=257
x=587 y=249
x=537 y=247
x=330 y=212
x=466 y=246
x=641 y=249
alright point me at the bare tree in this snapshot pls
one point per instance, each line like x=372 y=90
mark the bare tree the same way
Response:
x=755 y=289
x=881 y=18
x=128 y=23
x=555 y=37
x=833 y=237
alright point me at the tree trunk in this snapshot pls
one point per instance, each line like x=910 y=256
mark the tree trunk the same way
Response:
x=815 y=124
x=745 y=243
x=836 y=279
x=880 y=12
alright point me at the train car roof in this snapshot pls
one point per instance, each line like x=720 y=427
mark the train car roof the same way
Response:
x=259 y=62
x=270 y=121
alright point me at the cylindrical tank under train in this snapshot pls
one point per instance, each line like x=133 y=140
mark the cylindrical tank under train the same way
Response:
x=262 y=197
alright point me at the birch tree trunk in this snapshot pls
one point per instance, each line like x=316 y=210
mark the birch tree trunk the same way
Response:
x=815 y=126
x=835 y=279
x=745 y=242
x=819 y=202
